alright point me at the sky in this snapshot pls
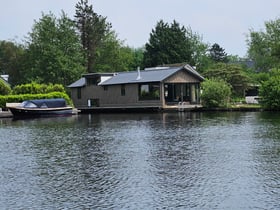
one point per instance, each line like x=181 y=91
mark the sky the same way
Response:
x=225 y=22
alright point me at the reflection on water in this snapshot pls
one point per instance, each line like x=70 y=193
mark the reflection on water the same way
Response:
x=141 y=161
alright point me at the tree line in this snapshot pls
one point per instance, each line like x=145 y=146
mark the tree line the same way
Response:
x=61 y=49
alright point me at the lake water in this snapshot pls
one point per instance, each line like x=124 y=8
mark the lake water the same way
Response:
x=141 y=161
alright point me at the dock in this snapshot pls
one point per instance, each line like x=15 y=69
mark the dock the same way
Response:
x=5 y=114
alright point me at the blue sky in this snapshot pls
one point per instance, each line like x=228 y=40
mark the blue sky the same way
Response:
x=224 y=22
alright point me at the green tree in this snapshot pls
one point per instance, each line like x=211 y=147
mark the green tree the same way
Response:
x=218 y=54
x=233 y=74
x=264 y=46
x=54 y=51
x=270 y=91
x=11 y=60
x=168 y=44
x=92 y=28
x=113 y=55
x=215 y=93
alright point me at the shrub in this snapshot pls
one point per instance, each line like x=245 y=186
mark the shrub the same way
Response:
x=270 y=91
x=215 y=93
x=35 y=88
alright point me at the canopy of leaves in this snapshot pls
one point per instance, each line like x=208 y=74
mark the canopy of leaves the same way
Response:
x=218 y=54
x=11 y=60
x=264 y=46
x=233 y=74
x=112 y=55
x=54 y=51
x=215 y=93
x=170 y=43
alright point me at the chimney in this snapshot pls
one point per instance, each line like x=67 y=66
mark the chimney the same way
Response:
x=138 y=74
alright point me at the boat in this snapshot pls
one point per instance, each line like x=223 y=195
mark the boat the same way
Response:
x=40 y=108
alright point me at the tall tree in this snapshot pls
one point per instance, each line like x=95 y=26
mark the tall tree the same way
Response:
x=264 y=46
x=167 y=44
x=218 y=54
x=93 y=29
x=54 y=51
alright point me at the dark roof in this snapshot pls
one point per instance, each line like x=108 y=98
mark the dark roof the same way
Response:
x=156 y=74
x=79 y=83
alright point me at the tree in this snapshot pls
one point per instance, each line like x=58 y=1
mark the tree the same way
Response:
x=233 y=74
x=215 y=93
x=168 y=44
x=264 y=46
x=93 y=29
x=270 y=91
x=218 y=54
x=54 y=51
x=11 y=59
x=113 y=55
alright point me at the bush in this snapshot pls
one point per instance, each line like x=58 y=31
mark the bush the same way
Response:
x=4 y=88
x=270 y=91
x=35 y=88
x=215 y=93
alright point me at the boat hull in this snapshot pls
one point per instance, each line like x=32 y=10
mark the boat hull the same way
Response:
x=34 y=112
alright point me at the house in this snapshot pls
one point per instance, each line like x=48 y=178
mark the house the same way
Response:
x=152 y=88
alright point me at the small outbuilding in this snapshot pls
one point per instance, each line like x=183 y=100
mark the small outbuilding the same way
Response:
x=154 y=88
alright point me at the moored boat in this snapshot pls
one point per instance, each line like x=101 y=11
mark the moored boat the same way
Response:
x=41 y=108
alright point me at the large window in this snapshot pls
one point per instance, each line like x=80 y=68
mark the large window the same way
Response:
x=149 y=91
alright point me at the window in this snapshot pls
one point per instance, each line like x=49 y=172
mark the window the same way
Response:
x=149 y=91
x=122 y=90
x=79 y=93
x=93 y=81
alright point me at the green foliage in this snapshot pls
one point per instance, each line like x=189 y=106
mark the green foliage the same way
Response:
x=5 y=89
x=218 y=54
x=112 y=55
x=215 y=93
x=171 y=43
x=93 y=29
x=233 y=74
x=22 y=97
x=11 y=61
x=264 y=46
x=270 y=91
x=35 y=88
x=54 y=51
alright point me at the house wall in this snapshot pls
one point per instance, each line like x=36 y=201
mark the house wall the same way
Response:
x=110 y=96
x=181 y=77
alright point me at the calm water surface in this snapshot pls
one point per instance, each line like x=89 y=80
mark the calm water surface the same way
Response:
x=141 y=161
